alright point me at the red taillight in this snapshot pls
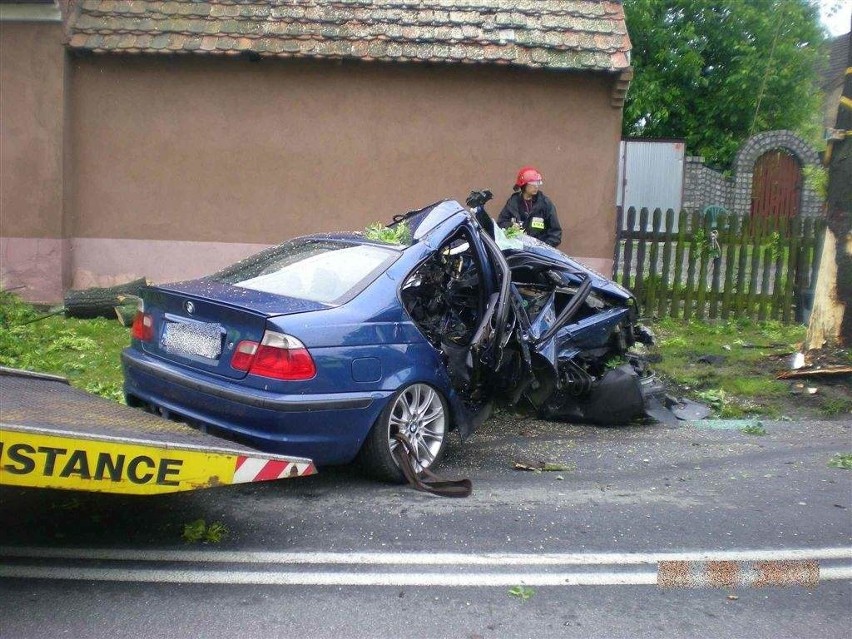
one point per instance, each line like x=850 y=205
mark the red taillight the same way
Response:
x=243 y=355
x=278 y=356
x=143 y=325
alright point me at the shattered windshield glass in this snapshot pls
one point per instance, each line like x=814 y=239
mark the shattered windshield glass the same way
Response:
x=328 y=272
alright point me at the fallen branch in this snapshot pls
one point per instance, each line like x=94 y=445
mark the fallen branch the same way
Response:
x=828 y=371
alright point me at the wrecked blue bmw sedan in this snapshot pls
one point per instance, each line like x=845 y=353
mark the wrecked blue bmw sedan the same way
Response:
x=327 y=346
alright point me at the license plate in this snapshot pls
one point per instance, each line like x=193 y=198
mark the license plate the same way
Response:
x=198 y=339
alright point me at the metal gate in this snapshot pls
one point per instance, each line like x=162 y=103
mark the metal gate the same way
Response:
x=776 y=186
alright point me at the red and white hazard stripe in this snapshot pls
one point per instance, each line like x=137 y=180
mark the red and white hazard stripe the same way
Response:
x=249 y=469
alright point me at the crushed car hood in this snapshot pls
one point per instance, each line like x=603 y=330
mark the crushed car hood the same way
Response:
x=534 y=248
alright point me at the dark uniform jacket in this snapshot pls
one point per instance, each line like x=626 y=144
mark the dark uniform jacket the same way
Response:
x=541 y=222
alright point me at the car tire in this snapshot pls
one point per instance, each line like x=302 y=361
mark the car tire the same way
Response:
x=420 y=412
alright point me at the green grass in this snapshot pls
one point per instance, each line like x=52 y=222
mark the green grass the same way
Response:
x=841 y=460
x=834 y=406
x=199 y=532
x=521 y=592
x=754 y=429
x=87 y=352
x=744 y=383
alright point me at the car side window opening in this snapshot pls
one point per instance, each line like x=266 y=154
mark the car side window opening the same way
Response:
x=444 y=295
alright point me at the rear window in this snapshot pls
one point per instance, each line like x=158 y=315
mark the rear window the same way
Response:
x=322 y=271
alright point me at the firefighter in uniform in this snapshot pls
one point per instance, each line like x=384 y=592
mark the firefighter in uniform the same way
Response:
x=531 y=209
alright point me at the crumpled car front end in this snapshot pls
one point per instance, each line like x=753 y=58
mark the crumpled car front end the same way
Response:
x=572 y=352
x=519 y=322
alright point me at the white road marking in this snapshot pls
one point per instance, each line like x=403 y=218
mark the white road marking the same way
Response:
x=326 y=578
x=423 y=559
x=349 y=579
x=449 y=569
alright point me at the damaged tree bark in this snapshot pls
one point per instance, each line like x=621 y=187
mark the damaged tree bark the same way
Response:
x=830 y=324
x=102 y=302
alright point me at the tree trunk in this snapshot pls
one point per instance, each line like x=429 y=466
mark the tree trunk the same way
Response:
x=101 y=302
x=831 y=320
x=828 y=311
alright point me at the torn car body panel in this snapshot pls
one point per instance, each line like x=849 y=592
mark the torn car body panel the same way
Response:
x=552 y=332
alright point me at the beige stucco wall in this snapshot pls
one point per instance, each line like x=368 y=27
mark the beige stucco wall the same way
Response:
x=224 y=150
x=175 y=166
x=33 y=254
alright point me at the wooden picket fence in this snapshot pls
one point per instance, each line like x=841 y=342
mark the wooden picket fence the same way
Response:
x=697 y=266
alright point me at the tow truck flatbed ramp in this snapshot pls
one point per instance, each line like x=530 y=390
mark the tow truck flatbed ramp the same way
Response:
x=55 y=436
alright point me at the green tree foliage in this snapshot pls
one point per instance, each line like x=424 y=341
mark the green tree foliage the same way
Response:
x=716 y=71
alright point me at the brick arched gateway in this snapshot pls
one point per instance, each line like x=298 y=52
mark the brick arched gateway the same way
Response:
x=757 y=146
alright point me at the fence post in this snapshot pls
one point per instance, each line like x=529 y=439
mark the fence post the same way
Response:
x=731 y=245
x=619 y=234
x=803 y=271
x=771 y=239
x=639 y=286
x=628 y=249
x=756 y=241
x=694 y=253
x=665 y=278
x=742 y=261
x=723 y=231
x=703 y=255
x=817 y=238
x=792 y=268
x=677 y=285
x=653 y=284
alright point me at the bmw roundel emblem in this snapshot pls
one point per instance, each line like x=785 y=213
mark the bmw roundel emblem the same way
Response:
x=190 y=307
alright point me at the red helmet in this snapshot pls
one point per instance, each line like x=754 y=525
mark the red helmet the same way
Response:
x=526 y=175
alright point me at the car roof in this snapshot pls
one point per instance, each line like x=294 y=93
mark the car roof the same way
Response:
x=421 y=222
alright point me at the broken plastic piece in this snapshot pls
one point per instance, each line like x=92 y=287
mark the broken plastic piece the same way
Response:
x=687 y=410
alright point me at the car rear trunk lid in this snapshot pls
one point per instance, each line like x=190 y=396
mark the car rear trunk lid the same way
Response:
x=198 y=324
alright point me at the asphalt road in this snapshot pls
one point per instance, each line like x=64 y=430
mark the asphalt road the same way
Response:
x=337 y=555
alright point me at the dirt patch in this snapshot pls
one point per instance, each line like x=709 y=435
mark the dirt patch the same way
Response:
x=817 y=396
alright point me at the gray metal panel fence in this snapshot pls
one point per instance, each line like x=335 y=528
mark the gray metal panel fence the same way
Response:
x=650 y=173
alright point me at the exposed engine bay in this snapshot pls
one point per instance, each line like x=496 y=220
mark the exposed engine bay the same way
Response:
x=567 y=345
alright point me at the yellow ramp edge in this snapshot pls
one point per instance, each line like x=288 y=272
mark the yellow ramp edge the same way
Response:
x=35 y=458
x=55 y=436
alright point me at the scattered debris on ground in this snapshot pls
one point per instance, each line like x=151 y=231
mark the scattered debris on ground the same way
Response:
x=829 y=371
x=544 y=467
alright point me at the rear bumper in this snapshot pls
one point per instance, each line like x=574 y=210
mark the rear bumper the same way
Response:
x=328 y=428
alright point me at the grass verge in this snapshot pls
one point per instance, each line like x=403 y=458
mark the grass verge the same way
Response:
x=731 y=366
x=87 y=352
x=739 y=381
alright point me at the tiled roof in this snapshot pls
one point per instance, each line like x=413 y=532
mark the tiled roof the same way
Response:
x=838 y=59
x=552 y=34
